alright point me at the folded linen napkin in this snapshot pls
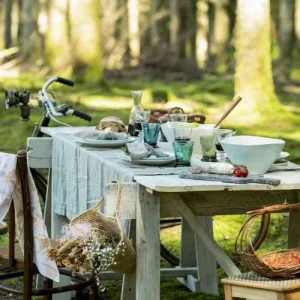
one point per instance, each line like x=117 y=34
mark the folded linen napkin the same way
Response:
x=106 y=134
x=139 y=150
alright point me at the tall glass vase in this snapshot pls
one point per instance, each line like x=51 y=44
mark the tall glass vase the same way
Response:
x=137 y=108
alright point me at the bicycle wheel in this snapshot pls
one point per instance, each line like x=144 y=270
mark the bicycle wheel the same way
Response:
x=170 y=252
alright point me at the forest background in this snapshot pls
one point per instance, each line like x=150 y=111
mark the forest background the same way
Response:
x=196 y=54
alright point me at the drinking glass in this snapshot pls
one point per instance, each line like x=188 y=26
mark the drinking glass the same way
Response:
x=141 y=117
x=150 y=133
x=208 y=144
x=182 y=134
x=220 y=135
x=178 y=118
x=183 y=152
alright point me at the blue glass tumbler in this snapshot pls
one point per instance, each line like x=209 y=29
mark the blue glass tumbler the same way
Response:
x=183 y=152
x=150 y=133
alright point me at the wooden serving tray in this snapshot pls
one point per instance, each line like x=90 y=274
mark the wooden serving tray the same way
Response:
x=231 y=178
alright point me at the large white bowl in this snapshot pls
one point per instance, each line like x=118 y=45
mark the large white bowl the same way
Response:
x=255 y=152
x=196 y=133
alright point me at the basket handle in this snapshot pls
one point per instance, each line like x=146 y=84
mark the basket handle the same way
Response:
x=285 y=207
x=178 y=108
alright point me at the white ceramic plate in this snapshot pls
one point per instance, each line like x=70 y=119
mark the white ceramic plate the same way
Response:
x=103 y=143
x=150 y=161
x=283 y=155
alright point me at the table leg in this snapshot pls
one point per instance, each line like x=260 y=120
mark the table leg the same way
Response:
x=294 y=227
x=206 y=262
x=147 y=245
x=211 y=246
x=129 y=282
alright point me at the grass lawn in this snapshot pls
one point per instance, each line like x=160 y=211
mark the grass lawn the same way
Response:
x=209 y=96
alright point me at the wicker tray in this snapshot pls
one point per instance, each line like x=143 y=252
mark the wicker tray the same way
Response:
x=157 y=114
x=261 y=263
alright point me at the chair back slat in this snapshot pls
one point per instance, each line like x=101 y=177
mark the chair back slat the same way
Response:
x=12 y=235
x=22 y=173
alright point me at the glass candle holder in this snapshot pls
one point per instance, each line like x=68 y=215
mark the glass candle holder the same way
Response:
x=183 y=152
x=150 y=133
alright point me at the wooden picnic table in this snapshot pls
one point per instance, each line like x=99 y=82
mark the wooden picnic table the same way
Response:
x=153 y=197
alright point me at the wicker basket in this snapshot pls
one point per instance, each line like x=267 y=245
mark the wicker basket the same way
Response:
x=110 y=228
x=261 y=264
x=157 y=114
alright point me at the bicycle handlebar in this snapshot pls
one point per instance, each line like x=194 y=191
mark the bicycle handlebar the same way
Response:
x=82 y=115
x=48 y=102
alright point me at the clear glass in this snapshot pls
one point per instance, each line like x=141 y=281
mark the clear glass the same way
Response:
x=182 y=134
x=183 y=152
x=178 y=117
x=136 y=110
x=220 y=135
x=208 y=144
x=150 y=133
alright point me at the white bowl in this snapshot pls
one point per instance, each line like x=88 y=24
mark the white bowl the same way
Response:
x=255 y=152
x=196 y=133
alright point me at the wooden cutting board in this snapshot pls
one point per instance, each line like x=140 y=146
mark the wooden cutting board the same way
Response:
x=231 y=178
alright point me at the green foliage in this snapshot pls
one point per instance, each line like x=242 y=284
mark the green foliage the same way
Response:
x=209 y=95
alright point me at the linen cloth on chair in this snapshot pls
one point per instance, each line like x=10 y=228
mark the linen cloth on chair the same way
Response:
x=10 y=188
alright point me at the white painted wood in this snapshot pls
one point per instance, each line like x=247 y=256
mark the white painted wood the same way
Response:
x=172 y=183
x=206 y=262
x=129 y=280
x=225 y=262
x=147 y=246
x=188 y=256
x=39 y=154
x=164 y=273
x=128 y=200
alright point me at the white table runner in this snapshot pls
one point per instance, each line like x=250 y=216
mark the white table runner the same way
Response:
x=81 y=173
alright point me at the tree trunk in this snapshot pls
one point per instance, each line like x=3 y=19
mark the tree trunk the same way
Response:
x=134 y=29
x=85 y=19
x=211 y=43
x=58 y=38
x=174 y=26
x=253 y=72
x=286 y=36
x=183 y=27
x=192 y=30
x=28 y=29
x=7 y=26
x=297 y=26
x=153 y=23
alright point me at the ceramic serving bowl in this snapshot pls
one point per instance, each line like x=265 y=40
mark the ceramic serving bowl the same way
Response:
x=168 y=131
x=255 y=152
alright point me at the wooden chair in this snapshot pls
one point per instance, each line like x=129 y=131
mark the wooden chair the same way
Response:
x=18 y=265
x=254 y=287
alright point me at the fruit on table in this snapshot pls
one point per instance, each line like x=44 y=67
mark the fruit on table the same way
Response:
x=240 y=171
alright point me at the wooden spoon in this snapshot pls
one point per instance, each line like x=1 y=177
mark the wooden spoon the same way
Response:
x=228 y=111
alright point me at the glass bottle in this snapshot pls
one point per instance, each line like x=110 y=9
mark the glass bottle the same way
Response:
x=136 y=109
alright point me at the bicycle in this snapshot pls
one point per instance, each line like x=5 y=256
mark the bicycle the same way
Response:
x=50 y=112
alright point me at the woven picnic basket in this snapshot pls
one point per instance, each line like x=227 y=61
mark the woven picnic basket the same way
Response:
x=110 y=228
x=267 y=265
x=156 y=115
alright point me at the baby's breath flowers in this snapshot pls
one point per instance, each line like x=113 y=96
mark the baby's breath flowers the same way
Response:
x=103 y=255
x=81 y=248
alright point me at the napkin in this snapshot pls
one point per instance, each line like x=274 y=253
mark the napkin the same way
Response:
x=139 y=150
x=106 y=134
x=10 y=189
